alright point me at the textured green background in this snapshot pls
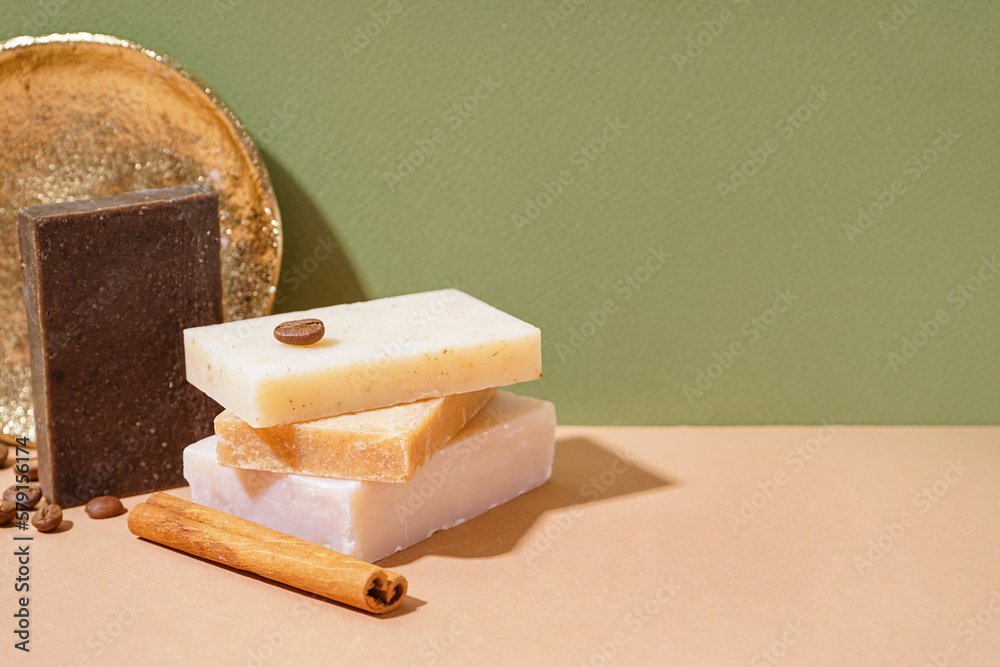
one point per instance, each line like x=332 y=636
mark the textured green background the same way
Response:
x=333 y=122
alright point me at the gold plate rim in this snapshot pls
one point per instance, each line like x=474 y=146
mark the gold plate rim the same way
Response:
x=262 y=281
x=241 y=132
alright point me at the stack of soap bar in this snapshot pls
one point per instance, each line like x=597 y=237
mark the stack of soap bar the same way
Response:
x=383 y=445
x=375 y=436
x=504 y=451
x=375 y=354
x=110 y=284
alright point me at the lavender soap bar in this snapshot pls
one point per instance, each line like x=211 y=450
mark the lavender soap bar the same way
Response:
x=109 y=285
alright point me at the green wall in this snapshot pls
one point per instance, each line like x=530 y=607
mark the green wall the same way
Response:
x=584 y=166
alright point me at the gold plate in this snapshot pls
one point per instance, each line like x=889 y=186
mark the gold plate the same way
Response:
x=90 y=116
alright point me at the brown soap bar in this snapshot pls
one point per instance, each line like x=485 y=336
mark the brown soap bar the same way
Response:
x=110 y=284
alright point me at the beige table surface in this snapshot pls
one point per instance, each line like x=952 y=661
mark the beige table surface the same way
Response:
x=859 y=545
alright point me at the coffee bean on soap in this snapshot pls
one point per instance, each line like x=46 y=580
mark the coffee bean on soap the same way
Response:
x=103 y=507
x=48 y=518
x=300 y=332
x=32 y=491
x=7 y=511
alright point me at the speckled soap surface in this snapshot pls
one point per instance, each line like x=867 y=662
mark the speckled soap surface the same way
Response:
x=374 y=354
x=110 y=284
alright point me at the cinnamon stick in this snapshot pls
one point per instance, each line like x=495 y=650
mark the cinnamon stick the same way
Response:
x=230 y=540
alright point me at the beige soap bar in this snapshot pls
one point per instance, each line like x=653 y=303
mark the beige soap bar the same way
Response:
x=504 y=451
x=382 y=445
x=375 y=353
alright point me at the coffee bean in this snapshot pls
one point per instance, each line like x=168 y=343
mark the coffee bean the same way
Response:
x=103 y=507
x=48 y=518
x=33 y=472
x=4 y=453
x=32 y=491
x=300 y=332
x=7 y=511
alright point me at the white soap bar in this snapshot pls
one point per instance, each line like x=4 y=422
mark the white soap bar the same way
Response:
x=504 y=451
x=375 y=354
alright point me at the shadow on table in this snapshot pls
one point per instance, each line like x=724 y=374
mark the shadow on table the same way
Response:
x=583 y=473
